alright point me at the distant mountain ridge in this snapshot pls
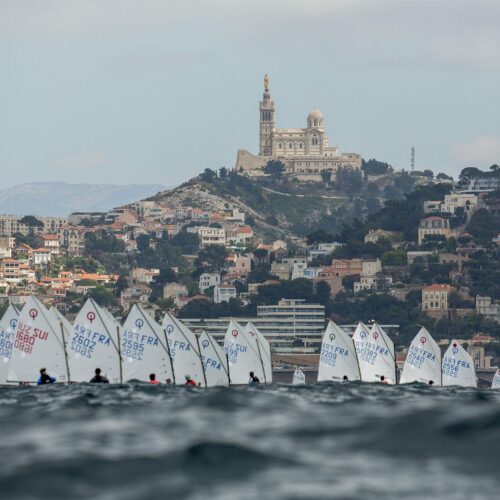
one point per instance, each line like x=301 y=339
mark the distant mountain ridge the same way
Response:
x=60 y=198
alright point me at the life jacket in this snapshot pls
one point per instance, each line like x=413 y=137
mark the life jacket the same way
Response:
x=191 y=382
x=154 y=382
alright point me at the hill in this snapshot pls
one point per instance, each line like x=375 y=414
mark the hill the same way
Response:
x=282 y=208
x=60 y=198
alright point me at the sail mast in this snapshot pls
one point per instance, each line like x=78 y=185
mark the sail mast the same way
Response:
x=65 y=351
x=202 y=364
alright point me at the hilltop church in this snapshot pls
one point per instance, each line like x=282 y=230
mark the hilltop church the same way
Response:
x=305 y=152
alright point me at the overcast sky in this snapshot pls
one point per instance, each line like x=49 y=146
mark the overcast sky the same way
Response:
x=154 y=91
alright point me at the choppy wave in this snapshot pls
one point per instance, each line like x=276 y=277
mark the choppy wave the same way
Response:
x=346 y=441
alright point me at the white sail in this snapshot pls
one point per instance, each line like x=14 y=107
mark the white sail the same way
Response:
x=458 y=367
x=243 y=355
x=338 y=359
x=423 y=361
x=495 y=384
x=8 y=325
x=144 y=348
x=59 y=319
x=214 y=361
x=94 y=343
x=375 y=352
x=264 y=349
x=184 y=351
x=38 y=344
x=299 y=377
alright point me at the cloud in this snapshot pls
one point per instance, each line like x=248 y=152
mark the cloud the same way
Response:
x=481 y=151
x=87 y=160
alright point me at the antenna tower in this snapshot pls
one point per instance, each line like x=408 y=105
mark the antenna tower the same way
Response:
x=412 y=162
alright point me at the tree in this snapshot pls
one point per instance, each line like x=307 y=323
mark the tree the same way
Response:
x=326 y=175
x=31 y=221
x=210 y=258
x=404 y=182
x=103 y=296
x=319 y=236
x=322 y=293
x=467 y=174
x=208 y=175
x=188 y=242
x=374 y=167
x=143 y=241
x=274 y=168
x=429 y=174
x=394 y=257
x=442 y=176
x=483 y=225
x=348 y=180
x=223 y=172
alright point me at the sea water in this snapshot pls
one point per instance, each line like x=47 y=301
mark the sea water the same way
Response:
x=345 y=441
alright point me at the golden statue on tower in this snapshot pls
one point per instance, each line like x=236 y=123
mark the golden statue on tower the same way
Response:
x=266 y=83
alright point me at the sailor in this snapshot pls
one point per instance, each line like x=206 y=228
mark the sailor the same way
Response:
x=98 y=378
x=431 y=382
x=168 y=381
x=152 y=379
x=45 y=378
x=190 y=381
x=345 y=378
x=383 y=380
x=253 y=378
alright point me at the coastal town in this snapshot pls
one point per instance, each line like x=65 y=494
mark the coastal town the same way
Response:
x=209 y=265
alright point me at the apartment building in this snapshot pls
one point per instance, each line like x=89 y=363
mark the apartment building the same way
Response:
x=433 y=226
x=435 y=299
x=209 y=235
x=224 y=293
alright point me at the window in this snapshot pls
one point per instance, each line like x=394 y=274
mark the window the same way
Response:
x=290 y=145
x=280 y=145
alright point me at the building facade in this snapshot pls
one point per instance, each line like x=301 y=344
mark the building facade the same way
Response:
x=435 y=299
x=302 y=150
x=433 y=226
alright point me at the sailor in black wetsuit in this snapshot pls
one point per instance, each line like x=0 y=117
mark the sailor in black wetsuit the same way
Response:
x=98 y=378
x=253 y=379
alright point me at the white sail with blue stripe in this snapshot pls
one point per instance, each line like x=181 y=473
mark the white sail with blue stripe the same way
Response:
x=423 y=361
x=338 y=360
x=214 y=361
x=144 y=348
x=8 y=325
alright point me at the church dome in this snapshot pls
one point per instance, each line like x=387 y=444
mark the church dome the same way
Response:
x=315 y=114
x=315 y=119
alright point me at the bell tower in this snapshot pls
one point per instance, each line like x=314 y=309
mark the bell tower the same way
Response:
x=266 y=109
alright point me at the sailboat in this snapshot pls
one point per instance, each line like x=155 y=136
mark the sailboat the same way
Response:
x=94 y=343
x=299 y=377
x=423 y=362
x=495 y=384
x=8 y=325
x=375 y=352
x=243 y=354
x=184 y=351
x=59 y=320
x=338 y=360
x=264 y=349
x=37 y=344
x=144 y=348
x=458 y=367
x=214 y=361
